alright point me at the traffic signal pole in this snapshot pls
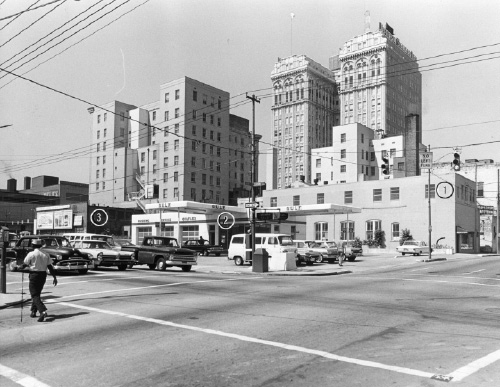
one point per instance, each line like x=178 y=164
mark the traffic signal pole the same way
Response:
x=254 y=99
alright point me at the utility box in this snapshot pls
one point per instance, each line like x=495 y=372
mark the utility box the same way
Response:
x=260 y=262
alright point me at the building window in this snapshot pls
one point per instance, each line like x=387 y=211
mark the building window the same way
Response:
x=193 y=194
x=176 y=160
x=320 y=198
x=167 y=97
x=377 y=195
x=176 y=176
x=321 y=231
x=97 y=186
x=274 y=202
x=154 y=154
x=165 y=177
x=97 y=174
x=98 y=118
x=98 y=147
x=177 y=94
x=104 y=146
x=394 y=193
x=176 y=145
x=318 y=163
x=347 y=197
x=395 y=231
x=296 y=200
x=154 y=169
x=193 y=177
x=204 y=179
x=343 y=169
x=342 y=137
x=154 y=116
x=176 y=192
x=204 y=117
x=480 y=189
x=165 y=190
x=195 y=95
x=98 y=134
x=143 y=157
x=433 y=191
x=342 y=153
x=371 y=227
x=362 y=138
x=104 y=173
x=347 y=230
x=98 y=160
x=165 y=161
x=177 y=110
x=193 y=146
x=165 y=146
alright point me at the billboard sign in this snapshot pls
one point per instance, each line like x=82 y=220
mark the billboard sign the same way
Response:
x=63 y=219
x=45 y=220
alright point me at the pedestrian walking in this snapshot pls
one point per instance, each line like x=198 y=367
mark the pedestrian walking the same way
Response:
x=38 y=262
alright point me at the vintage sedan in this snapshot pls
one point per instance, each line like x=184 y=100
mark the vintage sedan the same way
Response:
x=328 y=251
x=413 y=247
x=64 y=257
x=305 y=254
x=204 y=247
x=102 y=254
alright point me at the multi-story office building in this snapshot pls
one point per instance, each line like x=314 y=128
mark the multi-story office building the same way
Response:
x=379 y=81
x=305 y=108
x=185 y=146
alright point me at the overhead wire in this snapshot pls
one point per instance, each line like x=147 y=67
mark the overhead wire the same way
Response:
x=19 y=14
x=32 y=24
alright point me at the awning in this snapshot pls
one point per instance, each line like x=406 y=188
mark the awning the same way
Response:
x=461 y=230
x=313 y=209
x=195 y=207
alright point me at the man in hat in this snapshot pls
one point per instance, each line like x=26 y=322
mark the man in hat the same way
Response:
x=38 y=262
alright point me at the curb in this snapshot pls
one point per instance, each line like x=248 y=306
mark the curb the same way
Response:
x=14 y=303
x=282 y=273
x=432 y=260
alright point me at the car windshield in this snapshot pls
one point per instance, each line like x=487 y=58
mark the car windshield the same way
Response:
x=123 y=243
x=56 y=242
x=165 y=242
x=285 y=240
x=410 y=243
x=95 y=245
x=314 y=244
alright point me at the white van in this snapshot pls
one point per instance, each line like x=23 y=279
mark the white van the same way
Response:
x=273 y=243
x=83 y=236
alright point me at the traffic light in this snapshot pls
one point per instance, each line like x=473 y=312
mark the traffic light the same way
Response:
x=456 y=162
x=385 y=165
x=283 y=216
x=264 y=215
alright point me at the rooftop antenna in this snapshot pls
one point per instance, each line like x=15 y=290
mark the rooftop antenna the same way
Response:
x=367 y=21
x=292 y=15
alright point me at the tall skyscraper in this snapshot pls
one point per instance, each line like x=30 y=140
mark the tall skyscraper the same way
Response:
x=379 y=81
x=305 y=108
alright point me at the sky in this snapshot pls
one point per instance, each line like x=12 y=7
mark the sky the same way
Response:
x=232 y=45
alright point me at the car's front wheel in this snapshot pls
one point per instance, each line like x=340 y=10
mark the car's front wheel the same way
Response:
x=238 y=261
x=160 y=264
x=319 y=259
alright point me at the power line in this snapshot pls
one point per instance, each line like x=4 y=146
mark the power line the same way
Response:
x=36 y=21
x=18 y=15
x=74 y=44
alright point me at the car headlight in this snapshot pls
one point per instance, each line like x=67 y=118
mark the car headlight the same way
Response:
x=59 y=256
x=99 y=257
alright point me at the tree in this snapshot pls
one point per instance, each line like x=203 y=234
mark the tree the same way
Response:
x=380 y=238
x=405 y=236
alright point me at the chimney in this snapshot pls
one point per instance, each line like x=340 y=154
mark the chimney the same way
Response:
x=27 y=182
x=12 y=185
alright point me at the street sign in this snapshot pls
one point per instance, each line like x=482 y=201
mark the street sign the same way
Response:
x=225 y=220
x=426 y=160
x=252 y=205
x=99 y=217
x=445 y=190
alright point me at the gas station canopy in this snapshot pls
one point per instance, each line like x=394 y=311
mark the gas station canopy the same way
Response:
x=195 y=207
x=313 y=209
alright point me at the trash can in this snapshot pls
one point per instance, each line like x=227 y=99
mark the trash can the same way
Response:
x=260 y=262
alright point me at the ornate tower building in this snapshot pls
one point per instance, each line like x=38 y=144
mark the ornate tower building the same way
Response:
x=305 y=108
x=379 y=81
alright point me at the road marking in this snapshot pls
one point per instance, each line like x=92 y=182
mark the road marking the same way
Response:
x=475 y=366
x=477 y=271
x=450 y=282
x=20 y=378
x=147 y=287
x=296 y=348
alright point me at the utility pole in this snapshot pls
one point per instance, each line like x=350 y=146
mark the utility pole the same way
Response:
x=498 y=209
x=429 y=197
x=254 y=99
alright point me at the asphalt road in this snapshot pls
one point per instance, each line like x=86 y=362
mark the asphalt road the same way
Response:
x=398 y=323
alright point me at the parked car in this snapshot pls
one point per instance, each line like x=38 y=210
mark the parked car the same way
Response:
x=159 y=252
x=64 y=256
x=204 y=248
x=305 y=254
x=102 y=254
x=413 y=247
x=328 y=250
x=350 y=251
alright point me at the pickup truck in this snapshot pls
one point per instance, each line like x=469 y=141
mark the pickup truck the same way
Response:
x=204 y=248
x=160 y=252
x=64 y=256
